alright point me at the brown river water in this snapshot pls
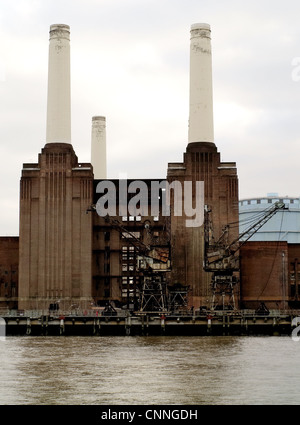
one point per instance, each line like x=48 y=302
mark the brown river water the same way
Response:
x=158 y=370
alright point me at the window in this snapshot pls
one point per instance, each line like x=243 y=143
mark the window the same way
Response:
x=124 y=252
x=128 y=287
x=128 y=253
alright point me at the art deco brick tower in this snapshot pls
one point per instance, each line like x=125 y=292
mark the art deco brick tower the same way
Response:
x=55 y=231
x=201 y=162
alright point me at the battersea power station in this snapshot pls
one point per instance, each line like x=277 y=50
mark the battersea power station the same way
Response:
x=179 y=245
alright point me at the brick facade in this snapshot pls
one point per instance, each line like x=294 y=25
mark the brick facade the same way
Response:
x=55 y=231
x=264 y=274
x=9 y=271
x=202 y=163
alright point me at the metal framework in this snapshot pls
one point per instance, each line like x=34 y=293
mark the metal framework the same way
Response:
x=178 y=297
x=222 y=260
x=223 y=297
x=152 y=262
x=153 y=294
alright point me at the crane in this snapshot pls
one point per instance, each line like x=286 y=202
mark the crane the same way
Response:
x=152 y=264
x=222 y=260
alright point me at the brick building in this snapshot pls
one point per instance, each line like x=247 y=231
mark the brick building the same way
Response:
x=9 y=270
x=68 y=257
x=270 y=274
x=202 y=163
x=55 y=231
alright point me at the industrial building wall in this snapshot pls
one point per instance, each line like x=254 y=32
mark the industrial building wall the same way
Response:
x=55 y=231
x=9 y=266
x=115 y=274
x=202 y=163
x=264 y=275
x=294 y=275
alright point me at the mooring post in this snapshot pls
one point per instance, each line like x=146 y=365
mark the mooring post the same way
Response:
x=209 y=317
x=46 y=325
x=142 y=324
x=163 y=323
x=62 y=326
x=28 y=326
x=128 y=323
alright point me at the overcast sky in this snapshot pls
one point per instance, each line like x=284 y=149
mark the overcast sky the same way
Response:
x=130 y=63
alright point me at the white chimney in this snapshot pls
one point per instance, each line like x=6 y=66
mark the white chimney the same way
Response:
x=201 y=127
x=59 y=86
x=98 y=151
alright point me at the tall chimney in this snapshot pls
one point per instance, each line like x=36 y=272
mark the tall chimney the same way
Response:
x=201 y=127
x=98 y=151
x=59 y=86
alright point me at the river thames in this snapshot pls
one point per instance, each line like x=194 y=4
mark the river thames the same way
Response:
x=149 y=370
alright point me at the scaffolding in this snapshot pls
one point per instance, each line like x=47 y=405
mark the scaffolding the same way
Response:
x=153 y=294
x=178 y=298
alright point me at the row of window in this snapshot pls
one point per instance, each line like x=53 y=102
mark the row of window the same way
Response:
x=128 y=287
x=129 y=293
x=268 y=201
x=129 y=280
x=124 y=235
x=137 y=218
x=128 y=253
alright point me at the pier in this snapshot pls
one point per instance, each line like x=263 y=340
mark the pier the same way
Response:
x=124 y=323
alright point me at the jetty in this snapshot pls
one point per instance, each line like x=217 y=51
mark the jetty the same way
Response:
x=125 y=323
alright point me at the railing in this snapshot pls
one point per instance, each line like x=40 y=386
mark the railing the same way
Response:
x=35 y=314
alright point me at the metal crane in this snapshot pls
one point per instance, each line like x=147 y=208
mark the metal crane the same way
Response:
x=152 y=263
x=222 y=260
